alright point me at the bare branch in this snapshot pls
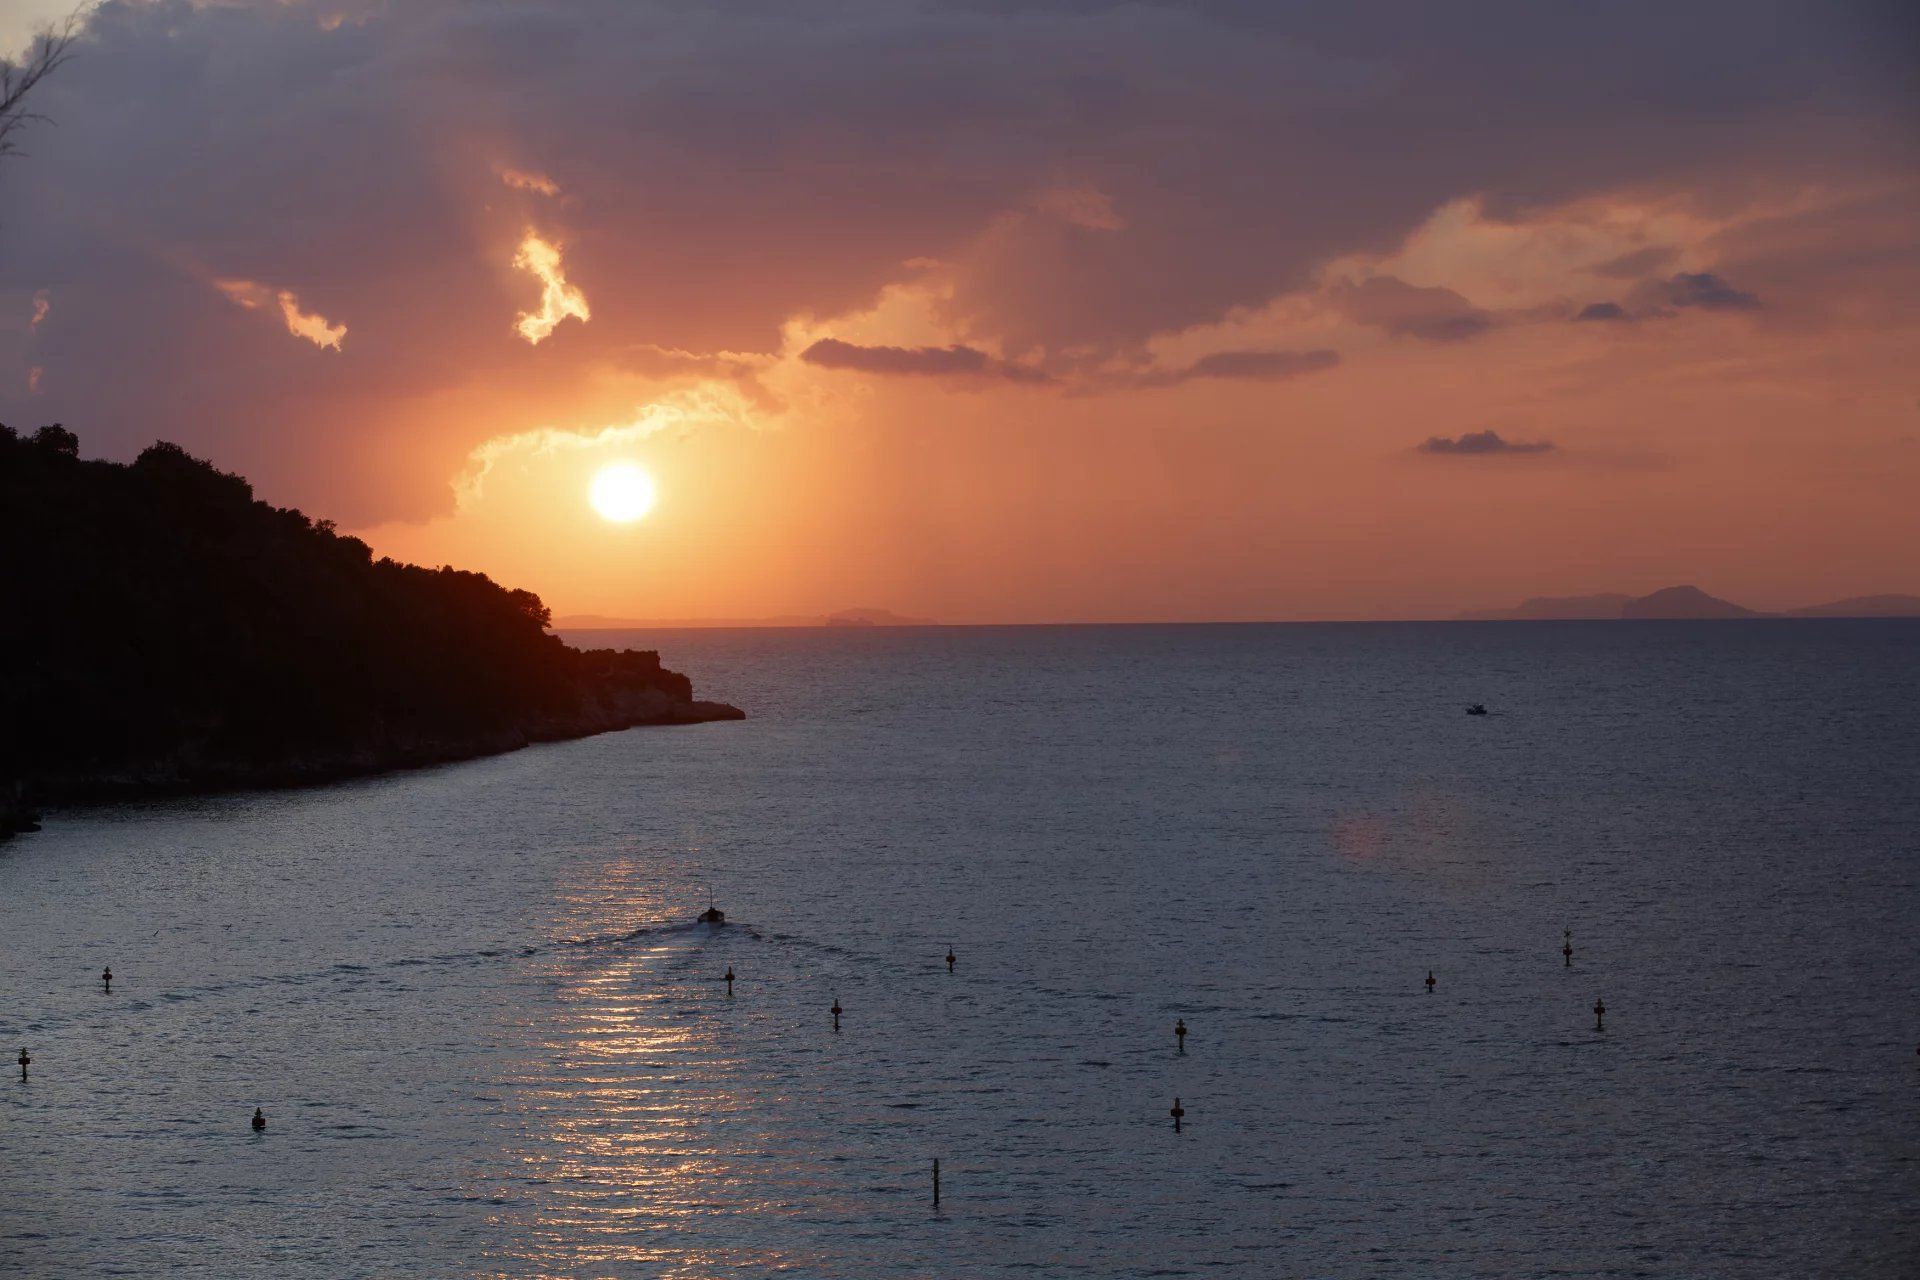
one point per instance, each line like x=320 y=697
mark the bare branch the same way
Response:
x=50 y=48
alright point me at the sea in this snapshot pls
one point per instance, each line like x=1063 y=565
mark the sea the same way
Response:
x=489 y=1038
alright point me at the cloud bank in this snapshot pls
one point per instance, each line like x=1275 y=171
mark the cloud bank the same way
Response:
x=1092 y=179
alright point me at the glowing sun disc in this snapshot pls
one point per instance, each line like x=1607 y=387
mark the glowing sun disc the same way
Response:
x=621 y=492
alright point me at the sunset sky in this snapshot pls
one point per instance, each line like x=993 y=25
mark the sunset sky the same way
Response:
x=1004 y=313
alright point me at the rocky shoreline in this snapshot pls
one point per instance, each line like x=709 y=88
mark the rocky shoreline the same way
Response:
x=610 y=707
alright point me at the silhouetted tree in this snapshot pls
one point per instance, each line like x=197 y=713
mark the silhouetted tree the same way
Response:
x=161 y=626
x=48 y=50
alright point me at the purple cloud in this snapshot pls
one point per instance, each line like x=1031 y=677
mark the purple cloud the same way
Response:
x=1482 y=444
x=954 y=361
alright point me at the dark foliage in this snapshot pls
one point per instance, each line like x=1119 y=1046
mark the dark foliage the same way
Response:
x=161 y=627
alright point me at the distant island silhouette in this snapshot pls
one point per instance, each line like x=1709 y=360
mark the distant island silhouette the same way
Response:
x=844 y=618
x=1685 y=603
x=166 y=631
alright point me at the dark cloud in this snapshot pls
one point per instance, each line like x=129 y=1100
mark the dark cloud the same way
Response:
x=951 y=362
x=1701 y=290
x=1698 y=291
x=1413 y=311
x=1481 y=444
x=1255 y=366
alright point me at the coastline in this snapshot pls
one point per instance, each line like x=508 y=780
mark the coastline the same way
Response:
x=611 y=707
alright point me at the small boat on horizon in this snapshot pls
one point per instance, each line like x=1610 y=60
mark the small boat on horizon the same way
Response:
x=1477 y=709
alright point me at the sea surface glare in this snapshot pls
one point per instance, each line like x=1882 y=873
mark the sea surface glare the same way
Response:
x=489 y=1040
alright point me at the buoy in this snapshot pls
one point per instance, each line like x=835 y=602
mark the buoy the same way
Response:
x=1429 y=982
x=1599 y=1015
x=106 y=977
x=1176 y=1113
x=1180 y=1034
x=24 y=1060
x=729 y=979
x=836 y=1013
x=949 y=959
x=259 y=1120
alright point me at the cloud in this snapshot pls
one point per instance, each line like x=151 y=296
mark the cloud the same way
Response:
x=520 y=180
x=954 y=361
x=1633 y=265
x=687 y=410
x=300 y=323
x=1095 y=176
x=1652 y=299
x=558 y=299
x=1411 y=311
x=1702 y=290
x=1255 y=366
x=1482 y=444
x=1083 y=205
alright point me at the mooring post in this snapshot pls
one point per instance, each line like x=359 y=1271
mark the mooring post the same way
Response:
x=836 y=1013
x=729 y=979
x=106 y=978
x=1599 y=1015
x=936 y=1184
x=949 y=959
x=1429 y=982
x=1176 y=1113
x=1566 y=947
x=24 y=1060
x=1180 y=1034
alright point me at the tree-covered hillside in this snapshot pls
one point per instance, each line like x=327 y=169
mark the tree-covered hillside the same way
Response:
x=163 y=628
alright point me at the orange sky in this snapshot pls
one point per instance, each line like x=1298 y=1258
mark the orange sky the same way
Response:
x=1125 y=314
x=1719 y=447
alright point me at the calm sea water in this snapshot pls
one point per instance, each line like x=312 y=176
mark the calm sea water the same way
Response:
x=489 y=1042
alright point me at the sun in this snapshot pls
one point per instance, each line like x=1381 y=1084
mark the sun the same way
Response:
x=621 y=492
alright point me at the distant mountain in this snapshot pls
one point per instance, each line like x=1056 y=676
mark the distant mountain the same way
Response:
x=1888 y=606
x=1683 y=603
x=844 y=618
x=875 y=618
x=1607 y=605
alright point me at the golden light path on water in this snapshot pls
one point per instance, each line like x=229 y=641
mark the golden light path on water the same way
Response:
x=634 y=1123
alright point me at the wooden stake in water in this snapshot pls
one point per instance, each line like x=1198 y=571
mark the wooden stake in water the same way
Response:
x=1180 y=1034
x=936 y=1184
x=1599 y=1015
x=1566 y=947
x=949 y=959
x=106 y=978
x=729 y=979
x=836 y=1013
x=1429 y=982
x=24 y=1060
x=1176 y=1113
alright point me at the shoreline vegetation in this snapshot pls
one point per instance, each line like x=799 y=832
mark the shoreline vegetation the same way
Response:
x=166 y=632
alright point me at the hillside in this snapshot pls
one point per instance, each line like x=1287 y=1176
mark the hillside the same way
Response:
x=166 y=631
